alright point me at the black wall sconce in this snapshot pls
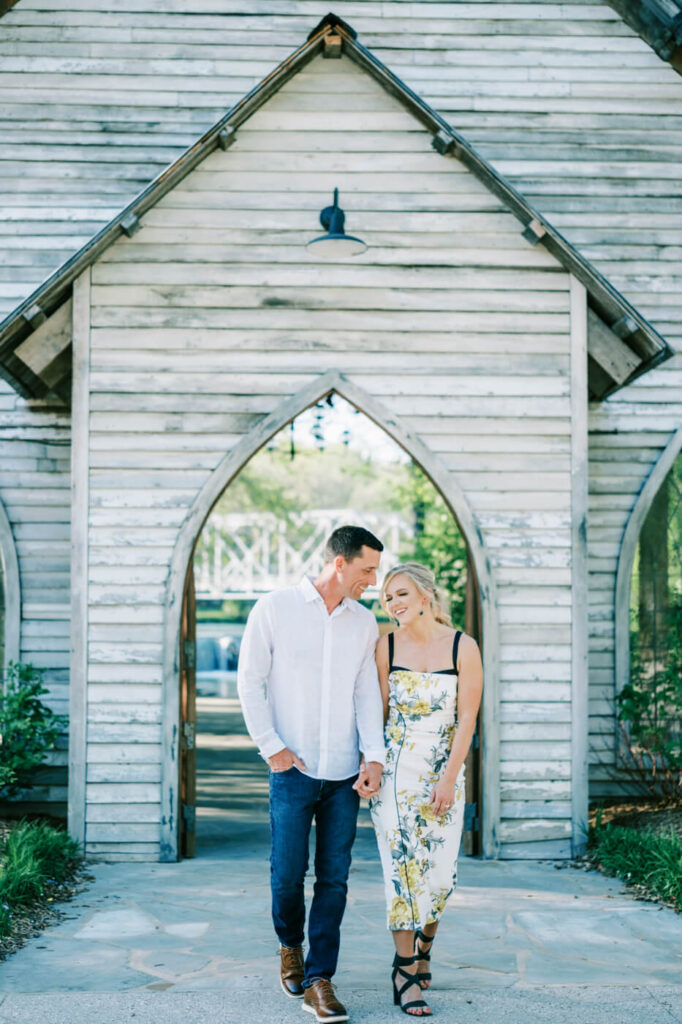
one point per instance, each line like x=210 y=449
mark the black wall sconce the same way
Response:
x=336 y=244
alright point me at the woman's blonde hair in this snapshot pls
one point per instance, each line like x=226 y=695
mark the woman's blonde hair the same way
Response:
x=425 y=582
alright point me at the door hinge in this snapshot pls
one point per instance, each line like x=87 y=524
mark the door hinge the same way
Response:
x=189 y=817
x=189 y=653
x=188 y=735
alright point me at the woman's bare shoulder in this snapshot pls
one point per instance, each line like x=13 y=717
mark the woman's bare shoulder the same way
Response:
x=382 y=644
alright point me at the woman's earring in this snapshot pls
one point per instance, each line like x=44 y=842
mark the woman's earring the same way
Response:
x=421 y=612
x=397 y=622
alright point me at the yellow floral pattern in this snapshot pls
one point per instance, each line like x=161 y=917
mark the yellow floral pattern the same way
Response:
x=418 y=848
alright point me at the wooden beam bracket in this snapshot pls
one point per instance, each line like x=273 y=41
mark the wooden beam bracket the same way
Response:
x=534 y=231
x=610 y=353
x=227 y=137
x=333 y=46
x=130 y=224
x=624 y=327
x=443 y=142
x=35 y=315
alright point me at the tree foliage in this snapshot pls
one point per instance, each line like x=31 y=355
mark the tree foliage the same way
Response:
x=438 y=542
x=650 y=705
x=650 y=712
x=335 y=476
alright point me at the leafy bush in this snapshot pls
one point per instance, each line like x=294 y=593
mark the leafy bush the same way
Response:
x=32 y=855
x=650 y=713
x=651 y=860
x=28 y=728
x=33 y=852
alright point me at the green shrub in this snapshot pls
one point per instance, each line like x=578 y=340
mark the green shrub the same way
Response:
x=652 y=860
x=28 y=728
x=32 y=855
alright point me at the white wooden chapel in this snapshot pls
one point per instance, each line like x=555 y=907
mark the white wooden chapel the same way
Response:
x=160 y=355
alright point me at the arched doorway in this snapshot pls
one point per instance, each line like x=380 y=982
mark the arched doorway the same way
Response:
x=649 y=628
x=178 y=666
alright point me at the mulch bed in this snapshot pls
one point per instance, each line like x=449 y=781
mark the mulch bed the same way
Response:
x=30 y=921
x=640 y=815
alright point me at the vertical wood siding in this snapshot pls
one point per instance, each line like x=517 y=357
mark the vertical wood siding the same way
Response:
x=213 y=313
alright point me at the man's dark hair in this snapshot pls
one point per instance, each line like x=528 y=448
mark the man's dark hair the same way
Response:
x=349 y=541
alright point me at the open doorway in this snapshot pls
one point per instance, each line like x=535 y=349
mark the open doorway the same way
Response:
x=331 y=465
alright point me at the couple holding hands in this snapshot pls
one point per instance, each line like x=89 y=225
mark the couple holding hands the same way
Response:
x=338 y=714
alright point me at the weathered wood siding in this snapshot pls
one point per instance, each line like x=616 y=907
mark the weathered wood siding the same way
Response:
x=563 y=98
x=213 y=313
x=34 y=489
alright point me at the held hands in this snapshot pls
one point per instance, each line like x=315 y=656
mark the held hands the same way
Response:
x=285 y=759
x=442 y=796
x=369 y=779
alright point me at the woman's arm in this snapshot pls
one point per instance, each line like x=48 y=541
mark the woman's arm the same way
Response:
x=469 y=690
x=381 y=656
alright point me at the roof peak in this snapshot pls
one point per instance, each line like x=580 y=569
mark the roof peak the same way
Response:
x=332 y=21
x=626 y=329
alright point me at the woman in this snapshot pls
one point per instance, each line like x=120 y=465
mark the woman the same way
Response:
x=431 y=681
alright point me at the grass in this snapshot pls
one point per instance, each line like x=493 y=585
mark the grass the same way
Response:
x=650 y=860
x=34 y=857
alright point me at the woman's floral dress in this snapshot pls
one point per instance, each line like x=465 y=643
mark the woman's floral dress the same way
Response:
x=418 y=850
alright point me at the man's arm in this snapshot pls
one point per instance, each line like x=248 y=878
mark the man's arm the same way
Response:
x=255 y=662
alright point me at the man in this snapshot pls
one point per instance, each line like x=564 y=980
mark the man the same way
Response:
x=311 y=700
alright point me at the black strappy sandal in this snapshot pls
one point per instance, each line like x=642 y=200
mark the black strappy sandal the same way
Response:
x=420 y=954
x=399 y=962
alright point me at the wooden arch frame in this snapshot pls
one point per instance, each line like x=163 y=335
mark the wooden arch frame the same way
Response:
x=626 y=557
x=224 y=473
x=12 y=586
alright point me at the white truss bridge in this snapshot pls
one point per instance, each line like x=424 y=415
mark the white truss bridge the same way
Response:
x=246 y=555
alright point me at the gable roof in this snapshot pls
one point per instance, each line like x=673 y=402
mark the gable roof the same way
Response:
x=622 y=345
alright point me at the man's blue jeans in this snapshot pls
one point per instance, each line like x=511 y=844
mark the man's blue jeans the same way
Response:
x=295 y=799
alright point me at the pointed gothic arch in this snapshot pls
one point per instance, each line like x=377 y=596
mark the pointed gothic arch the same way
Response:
x=233 y=462
x=11 y=585
x=626 y=557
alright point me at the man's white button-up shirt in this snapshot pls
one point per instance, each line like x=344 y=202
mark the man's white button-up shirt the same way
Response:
x=307 y=680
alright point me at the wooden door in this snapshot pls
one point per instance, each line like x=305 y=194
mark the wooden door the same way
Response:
x=188 y=720
x=471 y=844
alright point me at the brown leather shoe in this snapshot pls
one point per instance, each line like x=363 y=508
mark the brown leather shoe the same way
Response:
x=319 y=999
x=291 y=971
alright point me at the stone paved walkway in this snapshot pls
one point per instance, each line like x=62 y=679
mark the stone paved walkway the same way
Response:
x=192 y=942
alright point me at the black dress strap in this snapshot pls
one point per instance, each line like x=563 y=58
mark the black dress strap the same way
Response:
x=390 y=651
x=455 y=648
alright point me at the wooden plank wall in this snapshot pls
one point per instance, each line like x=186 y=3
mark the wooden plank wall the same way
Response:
x=563 y=98
x=34 y=488
x=213 y=313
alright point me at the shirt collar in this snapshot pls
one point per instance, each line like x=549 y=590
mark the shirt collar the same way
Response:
x=311 y=593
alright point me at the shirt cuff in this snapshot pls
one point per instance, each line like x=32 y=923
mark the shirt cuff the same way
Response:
x=271 y=745
x=375 y=754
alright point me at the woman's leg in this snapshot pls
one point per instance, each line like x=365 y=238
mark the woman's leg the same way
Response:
x=423 y=945
x=404 y=947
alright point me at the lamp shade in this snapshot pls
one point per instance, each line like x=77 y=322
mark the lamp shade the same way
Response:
x=336 y=244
